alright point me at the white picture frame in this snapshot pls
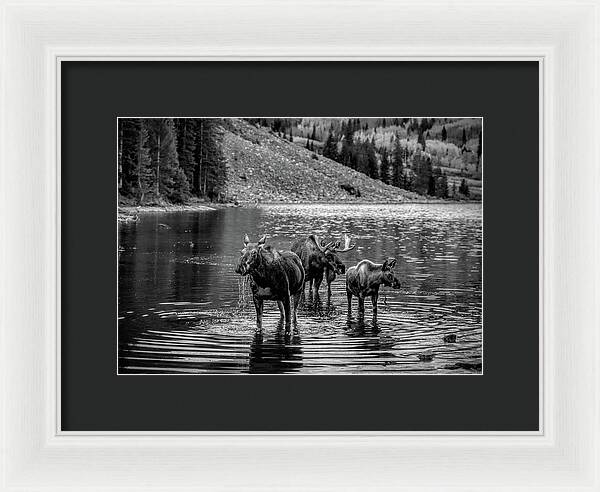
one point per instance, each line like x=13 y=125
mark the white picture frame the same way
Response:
x=561 y=35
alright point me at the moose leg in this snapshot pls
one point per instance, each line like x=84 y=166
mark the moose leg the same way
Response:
x=330 y=276
x=304 y=298
x=281 y=311
x=296 y=301
x=310 y=291
x=318 y=281
x=287 y=309
x=361 y=306
x=374 y=298
x=258 y=304
x=349 y=296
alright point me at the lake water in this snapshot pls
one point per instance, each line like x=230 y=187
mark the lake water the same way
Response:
x=183 y=309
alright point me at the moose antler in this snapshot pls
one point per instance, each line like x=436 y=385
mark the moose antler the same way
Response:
x=321 y=244
x=346 y=247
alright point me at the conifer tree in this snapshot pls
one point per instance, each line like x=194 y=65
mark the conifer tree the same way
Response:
x=163 y=153
x=186 y=146
x=421 y=139
x=436 y=187
x=478 y=152
x=330 y=149
x=464 y=188
x=136 y=172
x=441 y=189
x=422 y=169
x=144 y=171
x=444 y=134
x=385 y=166
x=129 y=130
x=346 y=156
x=398 y=161
x=431 y=186
x=359 y=158
x=211 y=177
x=371 y=158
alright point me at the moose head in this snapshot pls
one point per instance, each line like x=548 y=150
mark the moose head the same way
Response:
x=388 y=277
x=331 y=250
x=250 y=255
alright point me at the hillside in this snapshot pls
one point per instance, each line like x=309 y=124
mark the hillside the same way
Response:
x=266 y=168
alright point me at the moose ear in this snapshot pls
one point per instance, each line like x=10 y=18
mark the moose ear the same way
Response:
x=389 y=264
x=262 y=240
x=246 y=239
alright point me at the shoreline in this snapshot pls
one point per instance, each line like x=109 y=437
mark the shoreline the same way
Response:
x=366 y=202
x=129 y=213
x=130 y=209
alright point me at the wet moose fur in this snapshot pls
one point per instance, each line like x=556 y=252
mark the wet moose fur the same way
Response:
x=275 y=275
x=364 y=280
x=320 y=259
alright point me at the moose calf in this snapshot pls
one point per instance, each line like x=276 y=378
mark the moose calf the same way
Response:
x=364 y=280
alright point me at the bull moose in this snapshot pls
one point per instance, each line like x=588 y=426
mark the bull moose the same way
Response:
x=364 y=280
x=275 y=275
x=331 y=273
x=319 y=258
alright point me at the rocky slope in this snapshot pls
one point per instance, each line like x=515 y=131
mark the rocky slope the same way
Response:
x=262 y=167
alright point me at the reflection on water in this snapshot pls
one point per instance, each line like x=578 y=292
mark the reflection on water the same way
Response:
x=277 y=354
x=182 y=309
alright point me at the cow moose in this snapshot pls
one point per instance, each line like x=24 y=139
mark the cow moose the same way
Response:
x=364 y=280
x=275 y=275
x=318 y=258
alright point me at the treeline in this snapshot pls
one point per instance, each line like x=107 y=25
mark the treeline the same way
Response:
x=403 y=168
x=454 y=130
x=409 y=153
x=170 y=160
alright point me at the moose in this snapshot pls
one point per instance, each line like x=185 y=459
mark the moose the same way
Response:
x=319 y=259
x=275 y=275
x=364 y=280
x=330 y=273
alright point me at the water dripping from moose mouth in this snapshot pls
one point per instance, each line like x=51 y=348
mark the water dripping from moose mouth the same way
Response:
x=183 y=309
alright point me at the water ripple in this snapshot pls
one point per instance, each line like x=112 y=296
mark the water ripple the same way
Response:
x=182 y=309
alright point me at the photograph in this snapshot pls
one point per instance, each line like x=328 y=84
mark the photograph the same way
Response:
x=299 y=245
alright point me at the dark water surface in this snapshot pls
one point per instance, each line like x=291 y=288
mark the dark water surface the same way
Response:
x=183 y=310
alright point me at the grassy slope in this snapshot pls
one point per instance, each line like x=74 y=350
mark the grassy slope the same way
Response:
x=261 y=166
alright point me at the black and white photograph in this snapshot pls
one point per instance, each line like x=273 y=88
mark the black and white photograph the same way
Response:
x=300 y=245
